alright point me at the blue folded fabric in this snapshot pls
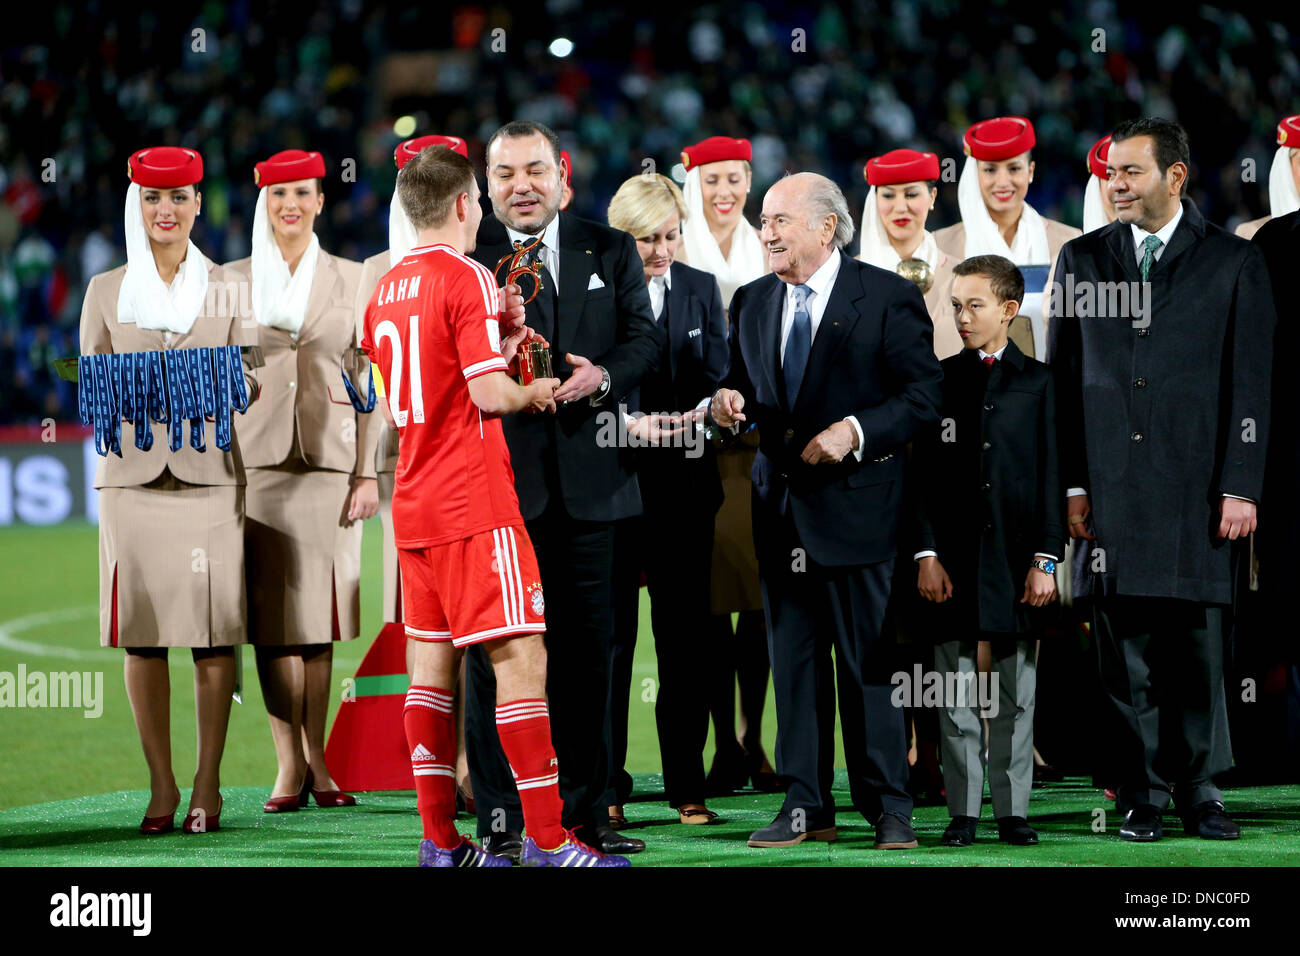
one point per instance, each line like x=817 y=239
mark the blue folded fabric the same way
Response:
x=169 y=387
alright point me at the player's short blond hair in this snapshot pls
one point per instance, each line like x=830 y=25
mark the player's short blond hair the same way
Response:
x=643 y=202
x=429 y=183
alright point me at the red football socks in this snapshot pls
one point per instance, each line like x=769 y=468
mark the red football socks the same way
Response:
x=431 y=735
x=524 y=727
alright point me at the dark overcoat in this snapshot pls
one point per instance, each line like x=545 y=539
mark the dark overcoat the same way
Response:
x=1162 y=410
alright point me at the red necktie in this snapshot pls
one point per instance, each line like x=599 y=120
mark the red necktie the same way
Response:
x=989 y=360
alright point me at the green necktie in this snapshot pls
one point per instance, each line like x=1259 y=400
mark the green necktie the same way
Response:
x=1149 y=246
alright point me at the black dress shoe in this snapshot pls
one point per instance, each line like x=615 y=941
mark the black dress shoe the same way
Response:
x=960 y=832
x=1208 y=820
x=1142 y=824
x=894 y=833
x=1017 y=831
x=610 y=842
x=783 y=832
x=507 y=845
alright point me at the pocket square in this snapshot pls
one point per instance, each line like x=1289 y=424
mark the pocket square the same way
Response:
x=595 y=283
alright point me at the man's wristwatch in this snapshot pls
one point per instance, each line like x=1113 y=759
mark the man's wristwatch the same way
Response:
x=1046 y=565
x=602 y=392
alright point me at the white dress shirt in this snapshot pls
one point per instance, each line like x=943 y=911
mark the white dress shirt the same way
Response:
x=1164 y=233
x=658 y=289
x=550 y=254
x=819 y=286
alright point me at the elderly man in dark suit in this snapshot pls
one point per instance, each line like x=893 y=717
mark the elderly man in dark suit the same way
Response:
x=594 y=311
x=833 y=360
x=1161 y=346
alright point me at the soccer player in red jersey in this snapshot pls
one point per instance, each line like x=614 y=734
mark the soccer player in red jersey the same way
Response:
x=469 y=574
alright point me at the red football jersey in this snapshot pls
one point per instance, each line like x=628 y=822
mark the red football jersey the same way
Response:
x=430 y=327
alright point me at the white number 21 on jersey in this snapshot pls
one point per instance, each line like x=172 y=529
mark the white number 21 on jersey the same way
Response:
x=387 y=330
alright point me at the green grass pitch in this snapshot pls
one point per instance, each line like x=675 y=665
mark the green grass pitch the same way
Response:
x=72 y=787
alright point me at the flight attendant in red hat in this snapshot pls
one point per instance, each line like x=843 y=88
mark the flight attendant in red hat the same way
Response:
x=1283 y=177
x=904 y=186
x=171 y=547
x=996 y=219
x=380 y=441
x=1098 y=210
x=719 y=240
x=310 y=483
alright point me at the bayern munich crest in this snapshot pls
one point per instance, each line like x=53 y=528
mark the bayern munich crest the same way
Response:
x=535 y=599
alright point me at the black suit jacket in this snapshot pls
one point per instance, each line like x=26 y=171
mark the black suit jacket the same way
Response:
x=1160 y=415
x=613 y=327
x=1278 y=538
x=986 y=487
x=697 y=363
x=872 y=358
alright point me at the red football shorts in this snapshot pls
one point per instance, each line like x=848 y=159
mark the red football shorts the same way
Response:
x=476 y=589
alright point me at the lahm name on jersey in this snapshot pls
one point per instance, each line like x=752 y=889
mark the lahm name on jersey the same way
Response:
x=399 y=290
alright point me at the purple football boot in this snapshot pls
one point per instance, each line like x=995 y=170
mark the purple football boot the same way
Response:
x=468 y=853
x=573 y=852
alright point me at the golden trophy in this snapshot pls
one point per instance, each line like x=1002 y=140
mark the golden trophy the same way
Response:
x=918 y=271
x=517 y=268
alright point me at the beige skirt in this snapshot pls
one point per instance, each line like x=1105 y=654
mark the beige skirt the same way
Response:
x=303 y=561
x=392 y=571
x=171 y=565
x=734 y=582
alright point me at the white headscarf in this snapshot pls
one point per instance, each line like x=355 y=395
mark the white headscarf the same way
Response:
x=402 y=237
x=279 y=298
x=747 y=259
x=1283 y=198
x=878 y=251
x=144 y=299
x=1029 y=248
x=1094 y=212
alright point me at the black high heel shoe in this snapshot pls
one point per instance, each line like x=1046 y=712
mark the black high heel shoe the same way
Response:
x=764 y=781
x=728 y=773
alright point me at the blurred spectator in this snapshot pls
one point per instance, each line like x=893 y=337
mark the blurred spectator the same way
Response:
x=820 y=86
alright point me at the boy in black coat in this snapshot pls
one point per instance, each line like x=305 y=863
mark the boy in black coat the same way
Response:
x=989 y=522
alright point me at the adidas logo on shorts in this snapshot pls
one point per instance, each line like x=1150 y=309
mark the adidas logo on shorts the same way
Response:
x=421 y=753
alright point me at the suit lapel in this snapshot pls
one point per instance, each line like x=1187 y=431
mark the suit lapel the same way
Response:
x=769 y=338
x=322 y=287
x=1191 y=228
x=678 y=311
x=577 y=263
x=1119 y=242
x=836 y=324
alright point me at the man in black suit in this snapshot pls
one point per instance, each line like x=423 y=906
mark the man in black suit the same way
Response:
x=571 y=486
x=1161 y=338
x=833 y=360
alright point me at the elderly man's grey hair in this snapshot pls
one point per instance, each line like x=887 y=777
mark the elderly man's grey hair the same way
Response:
x=826 y=199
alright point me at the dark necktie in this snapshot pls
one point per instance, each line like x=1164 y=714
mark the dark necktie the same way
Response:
x=798 y=345
x=546 y=299
x=989 y=360
x=1149 y=246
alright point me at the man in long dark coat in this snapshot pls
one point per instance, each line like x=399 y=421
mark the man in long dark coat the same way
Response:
x=1161 y=342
